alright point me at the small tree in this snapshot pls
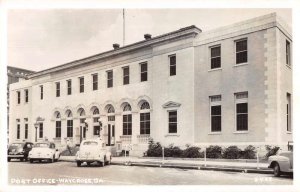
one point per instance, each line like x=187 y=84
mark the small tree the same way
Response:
x=214 y=151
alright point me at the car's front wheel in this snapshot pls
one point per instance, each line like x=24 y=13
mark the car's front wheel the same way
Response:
x=31 y=160
x=78 y=163
x=8 y=159
x=276 y=169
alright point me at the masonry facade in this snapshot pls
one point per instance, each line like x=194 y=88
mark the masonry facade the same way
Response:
x=232 y=85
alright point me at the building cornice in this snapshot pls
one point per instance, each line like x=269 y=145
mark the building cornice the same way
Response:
x=190 y=31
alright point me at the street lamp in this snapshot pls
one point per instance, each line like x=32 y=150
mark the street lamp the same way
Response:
x=36 y=125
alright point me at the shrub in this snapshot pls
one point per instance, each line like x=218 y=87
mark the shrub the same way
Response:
x=248 y=153
x=214 y=151
x=154 y=149
x=192 y=152
x=271 y=150
x=232 y=152
x=172 y=151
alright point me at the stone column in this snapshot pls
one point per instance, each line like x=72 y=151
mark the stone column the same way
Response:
x=118 y=126
x=135 y=127
x=63 y=132
x=76 y=131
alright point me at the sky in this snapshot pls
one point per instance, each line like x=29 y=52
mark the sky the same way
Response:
x=40 y=39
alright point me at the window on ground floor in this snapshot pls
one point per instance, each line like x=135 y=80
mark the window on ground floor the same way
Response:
x=18 y=129
x=172 y=121
x=58 y=129
x=215 y=113
x=144 y=123
x=41 y=130
x=69 y=128
x=288 y=113
x=241 y=100
x=26 y=130
x=127 y=124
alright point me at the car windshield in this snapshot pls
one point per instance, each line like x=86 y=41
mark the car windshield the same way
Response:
x=43 y=145
x=16 y=145
x=90 y=143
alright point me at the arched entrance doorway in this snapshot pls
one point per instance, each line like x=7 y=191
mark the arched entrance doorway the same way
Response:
x=110 y=125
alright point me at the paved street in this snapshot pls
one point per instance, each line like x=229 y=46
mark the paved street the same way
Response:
x=66 y=173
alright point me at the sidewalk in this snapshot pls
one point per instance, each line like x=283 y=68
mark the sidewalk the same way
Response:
x=233 y=165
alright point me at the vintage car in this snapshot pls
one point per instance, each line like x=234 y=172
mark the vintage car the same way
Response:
x=93 y=150
x=19 y=150
x=44 y=151
x=281 y=163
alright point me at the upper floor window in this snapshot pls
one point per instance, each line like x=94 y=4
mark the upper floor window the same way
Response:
x=241 y=51
x=144 y=71
x=109 y=79
x=26 y=95
x=172 y=61
x=215 y=57
x=57 y=89
x=95 y=82
x=81 y=84
x=241 y=101
x=69 y=87
x=42 y=92
x=172 y=121
x=125 y=75
x=18 y=97
x=215 y=112
x=288 y=53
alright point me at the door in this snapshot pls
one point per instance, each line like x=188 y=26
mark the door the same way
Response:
x=110 y=135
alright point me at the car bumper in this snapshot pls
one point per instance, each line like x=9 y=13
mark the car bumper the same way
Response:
x=88 y=159
x=15 y=156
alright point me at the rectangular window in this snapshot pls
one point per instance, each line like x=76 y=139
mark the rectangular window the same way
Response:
x=288 y=113
x=125 y=75
x=127 y=124
x=95 y=82
x=172 y=121
x=215 y=113
x=241 y=51
x=172 y=60
x=109 y=79
x=58 y=129
x=288 y=53
x=19 y=97
x=69 y=87
x=18 y=129
x=26 y=95
x=144 y=123
x=57 y=89
x=241 y=111
x=144 y=71
x=26 y=130
x=215 y=57
x=81 y=84
x=69 y=128
x=41 y=130
x=42 y=92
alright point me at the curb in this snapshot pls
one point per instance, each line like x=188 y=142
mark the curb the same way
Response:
x=194 y=167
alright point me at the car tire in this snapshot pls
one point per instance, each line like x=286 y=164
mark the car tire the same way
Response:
x=21 y=159
x=8 y=159
x=88 y=163
x=31 y=160
x=78 y=163
x=276 y=169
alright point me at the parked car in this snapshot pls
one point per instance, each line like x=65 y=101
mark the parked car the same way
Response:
x=93 y=150
x=44 y=151
x=19 y=150
x=281 y=163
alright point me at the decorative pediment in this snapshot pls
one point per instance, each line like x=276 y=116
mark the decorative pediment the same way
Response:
x=171 y=104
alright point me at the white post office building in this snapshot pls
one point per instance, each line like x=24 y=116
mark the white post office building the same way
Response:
x=228 y=86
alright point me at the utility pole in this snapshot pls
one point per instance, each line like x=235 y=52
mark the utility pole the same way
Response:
x=123 y=27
